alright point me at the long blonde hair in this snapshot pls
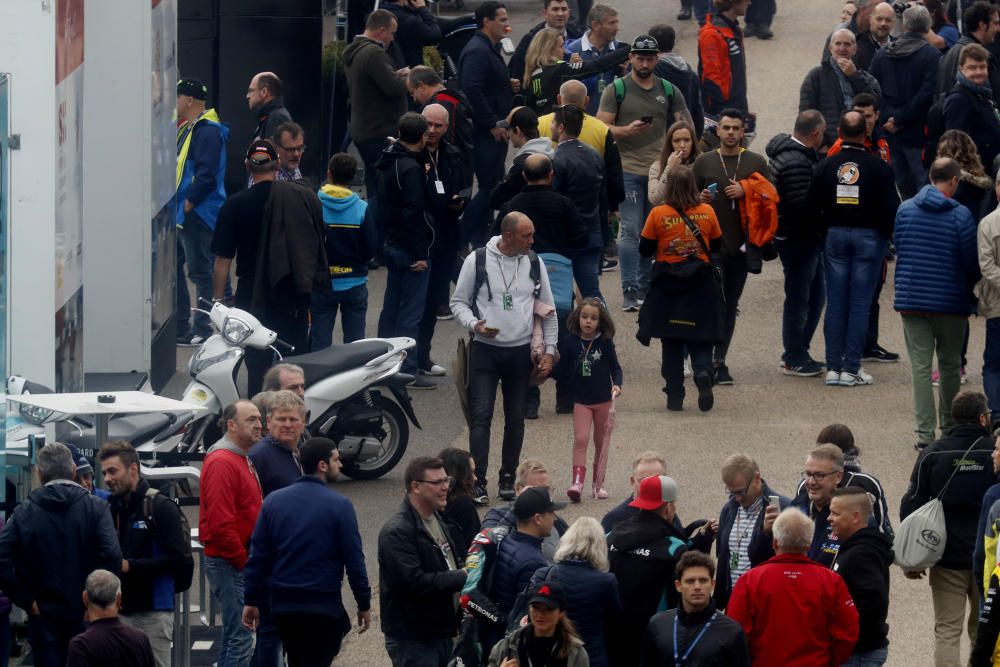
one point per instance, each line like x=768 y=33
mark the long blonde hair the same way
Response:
x=545 y=49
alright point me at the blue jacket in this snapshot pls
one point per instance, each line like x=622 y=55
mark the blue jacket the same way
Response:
x=759 y=549
x=276 y=466
x=306 y=536
x=350 y=236
x=592 y=602
x=202 y=174
x=936 y=261
x=483 y=78
x=518 y=556
x=907 y=71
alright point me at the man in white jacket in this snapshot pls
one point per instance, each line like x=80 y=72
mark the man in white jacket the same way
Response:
x=988 y=293
x=499 y=310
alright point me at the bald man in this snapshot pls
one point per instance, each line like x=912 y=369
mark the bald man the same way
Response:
x=449 y=181
x=266 y=101
x=823 y=89
x=863 y=562
x=877 y=37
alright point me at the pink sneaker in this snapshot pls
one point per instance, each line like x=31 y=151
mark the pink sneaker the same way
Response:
x=936 y=377
x=600 y=493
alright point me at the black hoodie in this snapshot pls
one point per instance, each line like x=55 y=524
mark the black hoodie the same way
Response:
x=863 y=563
x=792 y=168
x=54 y=539
x=403 y=205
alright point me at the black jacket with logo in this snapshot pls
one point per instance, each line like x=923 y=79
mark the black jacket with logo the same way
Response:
x=854 y=188
x=863 y=563
x=964 y=496
x=155 y=554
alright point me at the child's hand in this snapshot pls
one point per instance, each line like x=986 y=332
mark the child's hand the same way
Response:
x=616 y=391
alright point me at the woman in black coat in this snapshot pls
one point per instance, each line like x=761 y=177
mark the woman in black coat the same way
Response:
x=591 y=592
x=460 y=514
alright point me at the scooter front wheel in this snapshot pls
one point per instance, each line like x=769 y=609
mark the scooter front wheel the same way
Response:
x=395 y=438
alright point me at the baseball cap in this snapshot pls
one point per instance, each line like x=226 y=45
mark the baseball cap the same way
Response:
x=262 y=151
x=532 y=501
x=644 y=44
x=522 y=118
x=654 y=492
x=548 y=593
x=192 y=88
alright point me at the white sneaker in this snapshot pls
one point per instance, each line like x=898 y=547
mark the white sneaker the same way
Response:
x=687 y=368
x=833 y=378
x=855 y=379
x=436 y=370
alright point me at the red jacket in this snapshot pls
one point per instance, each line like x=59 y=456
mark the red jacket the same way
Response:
x=795 y=613
x=229 y=504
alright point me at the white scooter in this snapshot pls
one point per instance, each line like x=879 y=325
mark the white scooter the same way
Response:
x=342 y=395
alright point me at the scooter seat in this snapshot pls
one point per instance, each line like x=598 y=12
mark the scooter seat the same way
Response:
x=337 y=358
x=450 y=24
x=135 y=429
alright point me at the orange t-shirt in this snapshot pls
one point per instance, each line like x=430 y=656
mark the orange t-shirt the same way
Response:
x=674 y=241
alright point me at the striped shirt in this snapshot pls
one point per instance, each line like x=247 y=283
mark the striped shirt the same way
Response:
x=739 y=537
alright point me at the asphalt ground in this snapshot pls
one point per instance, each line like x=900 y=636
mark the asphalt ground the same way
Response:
x=772 y=417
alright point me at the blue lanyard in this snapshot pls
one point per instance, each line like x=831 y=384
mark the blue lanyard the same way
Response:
x=678 y=660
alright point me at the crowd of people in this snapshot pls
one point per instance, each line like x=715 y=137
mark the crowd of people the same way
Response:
x=498 y=199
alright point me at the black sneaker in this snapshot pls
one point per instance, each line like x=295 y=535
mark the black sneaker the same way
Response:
x=608 y=264
x=531 y=412
x=806 y=370
x=749 y=30
x=722 y=375
x=506 y=488
x=420 y=382
x=675 y=403
x=764 y=32
x=881 y=355
x=444 y=313
x=703 y=380
x=479 y=495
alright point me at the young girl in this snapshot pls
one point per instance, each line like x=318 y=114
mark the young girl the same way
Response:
x=588 y=359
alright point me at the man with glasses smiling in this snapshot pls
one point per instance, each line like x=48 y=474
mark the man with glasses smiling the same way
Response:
x=743 y=531
x=822 y=475
x=418 y=573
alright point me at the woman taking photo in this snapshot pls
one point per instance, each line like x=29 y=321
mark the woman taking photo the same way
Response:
x=680 y=147
x=548 y=639
x=591 y=592
x=684 y=306
x=545 y=70
x=460 y=513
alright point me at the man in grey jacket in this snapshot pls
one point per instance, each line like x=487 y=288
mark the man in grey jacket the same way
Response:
x=988 y=293
x=498 y=306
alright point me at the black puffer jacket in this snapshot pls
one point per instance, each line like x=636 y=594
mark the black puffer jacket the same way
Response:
x=792 y=166
x=54 y=539
x=863 y=562
x=418 y=589
x=821 y=91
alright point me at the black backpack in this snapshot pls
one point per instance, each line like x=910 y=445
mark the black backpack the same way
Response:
x=182 y=579
x=935 y=126
x=459 y=107
x=535 y=272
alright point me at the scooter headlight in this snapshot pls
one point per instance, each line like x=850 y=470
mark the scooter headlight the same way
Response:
x=35 y=414
x=235 y=330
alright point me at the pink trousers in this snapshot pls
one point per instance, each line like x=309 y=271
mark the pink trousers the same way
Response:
x=583 y=417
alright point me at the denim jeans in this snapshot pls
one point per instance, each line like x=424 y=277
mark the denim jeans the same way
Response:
x=236 y=643
x=487 y=162
x=370 y=152
x=403 y=304
x=874 y=658
x=511 y=367
x=907 y=166
x=672 y=356
x=852 y=261
x=991 y=365
x=926 y=335
x=49 y=639
x=418 y=652
x=587 y=267
x=194 y=250
x=734 y=279
x=701 y=10
x=805 y=296
x=353 y=305
x=267 y=650
x=634 y=269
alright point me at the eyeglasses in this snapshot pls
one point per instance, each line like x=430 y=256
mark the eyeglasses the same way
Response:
x=294 y=149
x=818 y=476
x=251 y=89
x=738 y=494
x=436 y=482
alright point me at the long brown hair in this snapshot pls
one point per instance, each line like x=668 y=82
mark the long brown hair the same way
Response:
x=565 y=635
x=668 y=143
x=959 y=146
x=605 y=327
x=681 y=190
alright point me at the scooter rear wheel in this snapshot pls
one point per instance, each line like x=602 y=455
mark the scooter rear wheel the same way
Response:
x=397 y=437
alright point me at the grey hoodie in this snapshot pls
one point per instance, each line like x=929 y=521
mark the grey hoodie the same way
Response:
x=516 y=324
x=537 y=145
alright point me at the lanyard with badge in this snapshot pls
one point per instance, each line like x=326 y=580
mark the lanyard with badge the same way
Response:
x=438 y=183
x=507 y=299
x=585 y=365
x=680 y=660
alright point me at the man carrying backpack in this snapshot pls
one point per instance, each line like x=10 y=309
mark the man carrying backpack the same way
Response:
x=156 y=548
x=495 y=299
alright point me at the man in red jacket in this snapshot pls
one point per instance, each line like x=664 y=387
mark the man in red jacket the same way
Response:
x=230 y=501
x=795 y=613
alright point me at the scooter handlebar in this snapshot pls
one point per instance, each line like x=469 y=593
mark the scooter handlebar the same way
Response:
x=281 y=343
